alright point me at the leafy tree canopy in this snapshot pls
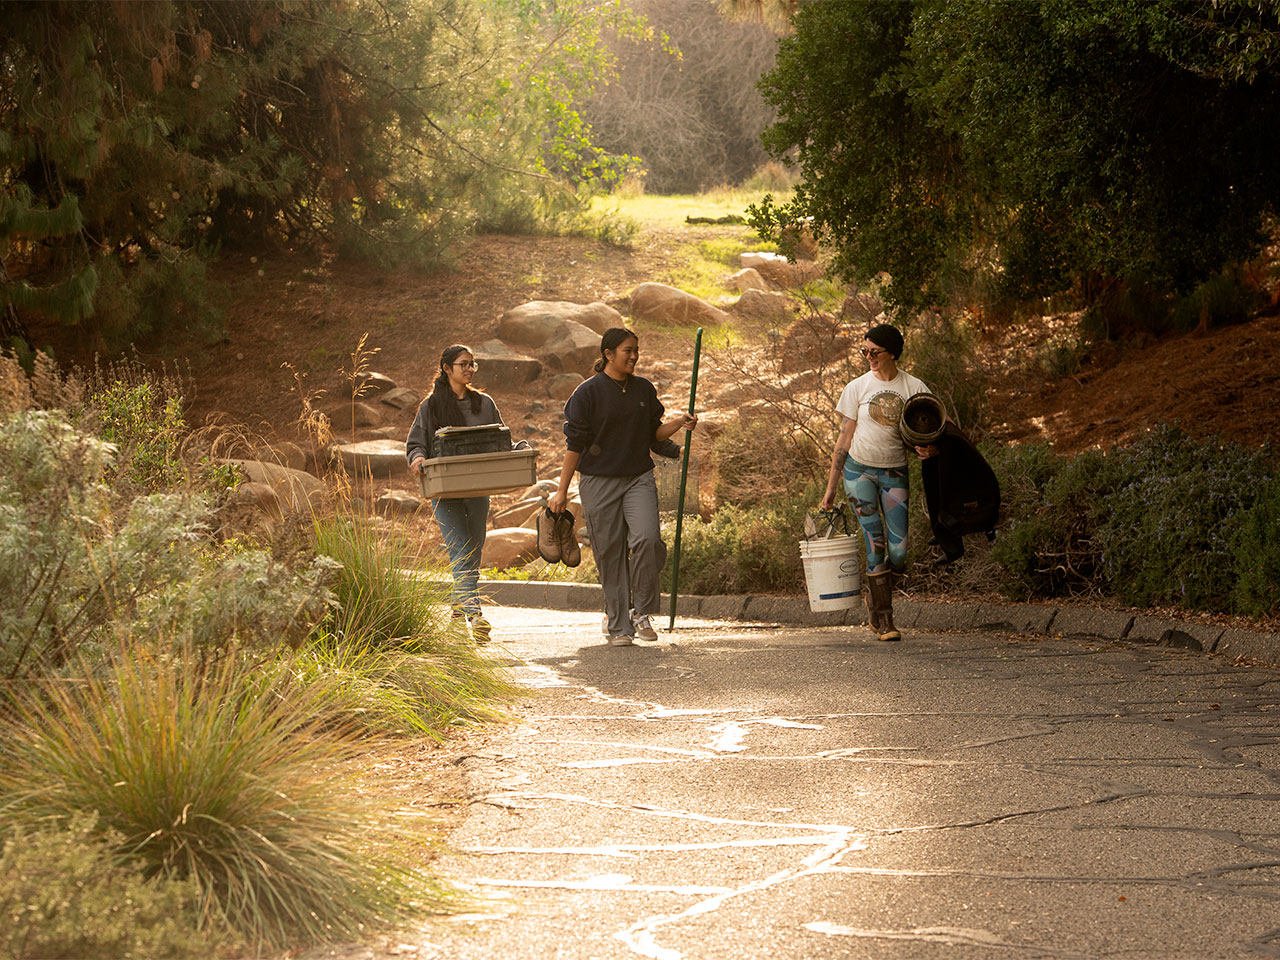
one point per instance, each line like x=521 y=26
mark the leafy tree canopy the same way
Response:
x=138 y=138
x=1030 y=148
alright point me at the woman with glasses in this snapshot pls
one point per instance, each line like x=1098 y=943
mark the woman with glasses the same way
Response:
x=463 y=521
x=871 y=458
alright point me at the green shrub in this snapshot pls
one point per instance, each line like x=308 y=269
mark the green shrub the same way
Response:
x=74 y=572
x=1220 y=300
x=1165 y=523
x=1047 y=548
x=63 y=893
x=146 y=429
x=752 y=549
x=218 y=774
x=1255 y=551
x=1161 y=521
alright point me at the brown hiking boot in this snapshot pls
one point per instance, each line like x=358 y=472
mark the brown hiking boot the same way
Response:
x=548 y=536
x=880 y=588
x=570 y=552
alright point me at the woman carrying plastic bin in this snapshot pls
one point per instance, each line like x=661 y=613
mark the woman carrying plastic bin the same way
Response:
x=871 y=457
x=610 y=422
x=463 y=521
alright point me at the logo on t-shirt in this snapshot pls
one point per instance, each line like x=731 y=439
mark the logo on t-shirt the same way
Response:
x=886 y=408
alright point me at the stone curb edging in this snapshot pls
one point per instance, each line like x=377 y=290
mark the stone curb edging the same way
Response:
x=1087 y=622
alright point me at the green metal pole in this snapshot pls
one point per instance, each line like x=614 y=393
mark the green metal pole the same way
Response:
x=684 y=474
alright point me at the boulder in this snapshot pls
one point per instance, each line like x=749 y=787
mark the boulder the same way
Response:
x=373 y=458
x=768 y=306
x=393 y=502
x=509 y=547
x=544 y=488
x=369 y=385
x=536 y=323
x=861 y=309
x=778 y=270
x=353 y=415
x=401 y=398
x=286 y=453
x=561 y=386
x=500 y=365
x=390 y=432
x=659 y=303
x=297 y=488
x=518 y=513
x=261 y=495
x=748 y=278
x=816 y=339
x=574 y=349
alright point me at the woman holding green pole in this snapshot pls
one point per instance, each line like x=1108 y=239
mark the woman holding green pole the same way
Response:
x=611 y=420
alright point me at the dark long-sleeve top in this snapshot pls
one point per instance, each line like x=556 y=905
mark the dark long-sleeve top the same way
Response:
x=421 y=440
x=612 y=428
x=961 y=490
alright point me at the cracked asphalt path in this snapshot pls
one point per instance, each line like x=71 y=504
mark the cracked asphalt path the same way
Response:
x=747 y=790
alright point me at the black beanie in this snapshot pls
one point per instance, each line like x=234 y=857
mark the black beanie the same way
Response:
x=887 y=336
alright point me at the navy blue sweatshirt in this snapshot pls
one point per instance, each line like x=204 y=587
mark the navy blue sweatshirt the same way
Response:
x=612 y=427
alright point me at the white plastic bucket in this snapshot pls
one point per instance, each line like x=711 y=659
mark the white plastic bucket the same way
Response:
x=831 y=572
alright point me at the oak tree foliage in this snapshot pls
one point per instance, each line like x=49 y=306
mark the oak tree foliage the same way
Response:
x=1005 y=151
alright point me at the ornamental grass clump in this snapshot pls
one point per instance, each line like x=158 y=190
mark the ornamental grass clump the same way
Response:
x=392 y=635
x=215 y=772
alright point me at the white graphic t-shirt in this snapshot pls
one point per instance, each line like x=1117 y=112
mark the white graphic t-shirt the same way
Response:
x=877 y=407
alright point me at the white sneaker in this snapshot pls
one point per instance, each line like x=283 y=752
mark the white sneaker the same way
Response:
x=644 y=629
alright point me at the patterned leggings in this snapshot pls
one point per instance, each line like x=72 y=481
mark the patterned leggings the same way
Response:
x=879 y=496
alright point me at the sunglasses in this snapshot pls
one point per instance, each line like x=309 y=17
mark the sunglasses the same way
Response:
x=871 y=354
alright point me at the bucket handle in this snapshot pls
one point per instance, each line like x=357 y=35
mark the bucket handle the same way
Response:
x=839 y=513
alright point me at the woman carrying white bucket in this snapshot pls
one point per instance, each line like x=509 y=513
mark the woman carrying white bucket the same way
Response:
x=871 y=457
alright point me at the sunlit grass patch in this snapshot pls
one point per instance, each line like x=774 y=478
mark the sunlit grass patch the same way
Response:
x=671 y=210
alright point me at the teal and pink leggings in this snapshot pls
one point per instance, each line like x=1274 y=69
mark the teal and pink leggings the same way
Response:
x=879 y=496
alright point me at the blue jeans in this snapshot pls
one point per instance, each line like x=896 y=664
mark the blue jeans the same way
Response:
x=879 y=496
x=463 y=522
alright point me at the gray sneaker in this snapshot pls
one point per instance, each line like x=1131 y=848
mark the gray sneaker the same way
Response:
x=644 y=629
x=622 y=640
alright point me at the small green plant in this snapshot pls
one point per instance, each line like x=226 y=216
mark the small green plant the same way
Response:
x=64 y=893
x=145 y=428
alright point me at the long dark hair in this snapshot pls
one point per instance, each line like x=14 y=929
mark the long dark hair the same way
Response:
x=443 y=405
x=613 y=338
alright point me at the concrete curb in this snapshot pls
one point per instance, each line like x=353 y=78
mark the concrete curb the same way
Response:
x=1085 y=622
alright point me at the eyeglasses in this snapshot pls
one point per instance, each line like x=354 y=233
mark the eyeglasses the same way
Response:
x=467 y=365
x=871 y=354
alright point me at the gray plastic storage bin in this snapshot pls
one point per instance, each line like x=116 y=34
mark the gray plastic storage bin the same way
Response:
x=479 y=475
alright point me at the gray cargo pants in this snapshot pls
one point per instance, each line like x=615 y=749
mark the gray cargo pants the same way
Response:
x=622 y=523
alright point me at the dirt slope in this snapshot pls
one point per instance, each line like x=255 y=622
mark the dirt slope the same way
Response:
x=293 y=311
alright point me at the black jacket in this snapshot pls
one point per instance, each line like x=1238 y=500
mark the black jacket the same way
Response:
x=961 y=490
